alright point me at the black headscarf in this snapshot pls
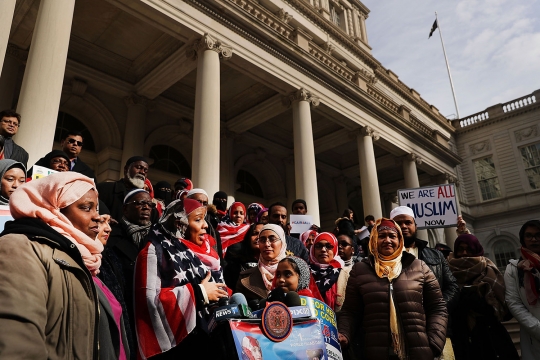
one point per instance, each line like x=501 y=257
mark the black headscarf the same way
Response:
x=166 y=196
x=535 y=223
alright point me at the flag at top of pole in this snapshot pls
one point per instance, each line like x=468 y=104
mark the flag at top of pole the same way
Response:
x=433 y=28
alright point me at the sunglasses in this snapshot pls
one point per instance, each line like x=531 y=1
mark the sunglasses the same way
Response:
x=142 y=203
x=320 y=246
x=73 y=141
x=344 y=244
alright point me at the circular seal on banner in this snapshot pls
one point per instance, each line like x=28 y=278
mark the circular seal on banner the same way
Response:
x=277 y=321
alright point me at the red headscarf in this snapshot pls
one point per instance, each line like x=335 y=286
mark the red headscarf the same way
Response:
x=234 y=206
x=336 y=262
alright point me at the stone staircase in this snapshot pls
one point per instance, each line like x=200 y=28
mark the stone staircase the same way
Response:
x=512 y=327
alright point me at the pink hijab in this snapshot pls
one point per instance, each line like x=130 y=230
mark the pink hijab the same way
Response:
x=43 y=198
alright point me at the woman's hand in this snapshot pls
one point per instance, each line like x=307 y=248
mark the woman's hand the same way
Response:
x=213 y=290
x=343 y=340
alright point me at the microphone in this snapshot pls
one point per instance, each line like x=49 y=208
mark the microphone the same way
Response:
x=276 y=295
x=238 y=298
x=254 y=304
x=230 y=308
x=292 y=299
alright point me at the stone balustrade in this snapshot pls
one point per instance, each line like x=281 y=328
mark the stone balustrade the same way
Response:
x=519 y=103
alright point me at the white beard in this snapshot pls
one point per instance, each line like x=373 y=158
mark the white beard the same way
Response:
x=136 y=181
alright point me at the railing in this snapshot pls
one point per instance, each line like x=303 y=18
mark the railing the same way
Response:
x=519 y=103
x=474 y=118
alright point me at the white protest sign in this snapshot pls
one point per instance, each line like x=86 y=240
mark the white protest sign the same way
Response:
x=300 y=223
x=433 y=206
x=40 y=171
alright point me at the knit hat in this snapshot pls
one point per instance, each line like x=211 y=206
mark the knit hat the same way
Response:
x=133 y=159
x=133 y=192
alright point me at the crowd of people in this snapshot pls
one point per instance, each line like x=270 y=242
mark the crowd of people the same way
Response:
x=129 y=270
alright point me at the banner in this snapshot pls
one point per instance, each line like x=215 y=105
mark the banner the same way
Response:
x=304 y=342
x=433 y=206
x=328 y=324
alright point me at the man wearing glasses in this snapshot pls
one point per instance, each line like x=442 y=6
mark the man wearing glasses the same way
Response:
x=9 y=125
x=72 y=144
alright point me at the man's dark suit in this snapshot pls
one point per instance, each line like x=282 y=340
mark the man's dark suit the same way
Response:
x=19 y=154
x=84 y=169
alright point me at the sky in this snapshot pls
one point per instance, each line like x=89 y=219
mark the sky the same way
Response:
x=493 y=47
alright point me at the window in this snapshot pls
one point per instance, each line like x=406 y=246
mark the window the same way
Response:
x=504 y=251
x=170 y=160
x=335 y=16
x=531 y=161
x=248 y=184
x=65 y=123
x=487 y=178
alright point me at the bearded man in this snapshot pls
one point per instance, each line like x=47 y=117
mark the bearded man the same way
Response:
x=113 y=193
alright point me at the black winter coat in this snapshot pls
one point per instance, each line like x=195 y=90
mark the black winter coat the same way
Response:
x=438 y=264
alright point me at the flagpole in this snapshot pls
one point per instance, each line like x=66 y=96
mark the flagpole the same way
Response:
x=447 y=66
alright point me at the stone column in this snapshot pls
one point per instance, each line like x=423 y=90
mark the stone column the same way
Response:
x=304 y=151
x=368 y=172
x=390 y=203
x=227 y=173
x=342 y=198
x=450 y=234
x=7 y=9
x=41 y=89
x=134 y=135
x=206 y=127
x=411 y=181
x=9 y=77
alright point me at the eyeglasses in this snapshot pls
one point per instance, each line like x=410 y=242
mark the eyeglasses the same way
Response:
x=530 y=236
x=320 y=246
x=344 y=244
x=142 y=203
x=73 y=141
x=11 y=122
x=60 y=161
x=272 y=239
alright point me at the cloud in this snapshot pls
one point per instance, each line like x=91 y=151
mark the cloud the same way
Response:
x=493 y=47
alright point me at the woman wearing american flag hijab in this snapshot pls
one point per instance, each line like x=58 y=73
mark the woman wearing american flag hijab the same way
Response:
x=177 y=275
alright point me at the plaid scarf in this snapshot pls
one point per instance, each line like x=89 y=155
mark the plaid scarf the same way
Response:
x=136 y=232
x=481 y=272
x=530 y=265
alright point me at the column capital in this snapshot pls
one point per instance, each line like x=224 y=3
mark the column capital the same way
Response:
x=414 y=157
x=208 y=42
x=452 y=179
x=301 y=95
x=365 y=131
x=139 y=100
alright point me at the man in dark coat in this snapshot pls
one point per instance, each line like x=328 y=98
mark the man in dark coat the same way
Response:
x=9 y=125
x=113 y=193
x=72 y=145
x=277 y=214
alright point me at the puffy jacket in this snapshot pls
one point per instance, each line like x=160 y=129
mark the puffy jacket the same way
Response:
x=527 y=315
x=419 y=304
x=438 y=264
x=49 y=302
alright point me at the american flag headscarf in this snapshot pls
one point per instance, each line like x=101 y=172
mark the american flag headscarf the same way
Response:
x=230 y=232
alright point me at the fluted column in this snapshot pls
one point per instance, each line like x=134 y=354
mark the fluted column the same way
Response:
x=206 y=128
x=368 y=172
x=134 y=135
x=390 y=203
x=304 y=151
x=410 y=175
x=41 y=89
x=7 y=8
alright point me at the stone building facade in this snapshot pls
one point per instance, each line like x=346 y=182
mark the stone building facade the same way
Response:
x=268 y=100
x=500 y=173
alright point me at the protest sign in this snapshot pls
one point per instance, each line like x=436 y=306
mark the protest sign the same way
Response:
x=40 y=171
x=304 y=342
x=433 y=206
x=300 y=223
x=328 y=325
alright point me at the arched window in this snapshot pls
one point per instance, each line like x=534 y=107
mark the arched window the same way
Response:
x=503 y=251
x=66 y=123
x=248 y=184
x=170 y=160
